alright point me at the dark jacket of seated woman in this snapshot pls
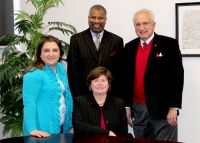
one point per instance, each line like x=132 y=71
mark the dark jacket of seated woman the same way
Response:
x=99 y=113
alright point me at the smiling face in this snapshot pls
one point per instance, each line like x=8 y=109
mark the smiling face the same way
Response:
x=50 y=53
x=144 y=26
x=97 y=20
x=100 y=85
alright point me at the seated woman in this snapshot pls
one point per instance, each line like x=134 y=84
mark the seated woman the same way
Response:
x=46 y=96
x=99 y=113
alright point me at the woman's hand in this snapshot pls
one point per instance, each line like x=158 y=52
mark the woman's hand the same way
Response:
x=111 y=133
x=39 y=134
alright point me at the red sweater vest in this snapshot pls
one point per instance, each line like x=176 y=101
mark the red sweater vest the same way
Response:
x=140 y=68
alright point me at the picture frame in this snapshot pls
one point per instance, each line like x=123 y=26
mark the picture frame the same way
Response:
x=188 y=28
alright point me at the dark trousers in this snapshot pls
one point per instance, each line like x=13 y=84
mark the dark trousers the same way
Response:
x=146 y=127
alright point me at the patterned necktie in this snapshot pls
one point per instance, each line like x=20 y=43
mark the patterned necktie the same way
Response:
x=144 y=45
x=97 y=41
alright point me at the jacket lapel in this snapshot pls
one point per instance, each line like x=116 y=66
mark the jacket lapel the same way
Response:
x=152 y=52
x=104 y=41
x=91 y=45
x=104 y=47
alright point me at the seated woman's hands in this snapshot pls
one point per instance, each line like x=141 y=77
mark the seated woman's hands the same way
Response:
x=39 y=134
x=111 y=133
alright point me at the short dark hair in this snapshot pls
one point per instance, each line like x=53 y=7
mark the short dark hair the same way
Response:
x=98 y=7
x=97 y=72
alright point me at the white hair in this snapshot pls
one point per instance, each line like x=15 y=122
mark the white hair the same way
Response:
x=149 y=12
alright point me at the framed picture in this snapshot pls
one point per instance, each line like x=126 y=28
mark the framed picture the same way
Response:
x=188 y=28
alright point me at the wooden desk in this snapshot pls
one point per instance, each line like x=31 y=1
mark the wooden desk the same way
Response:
x=70 y=138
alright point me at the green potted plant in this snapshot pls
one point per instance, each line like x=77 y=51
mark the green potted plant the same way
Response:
x=31 y=29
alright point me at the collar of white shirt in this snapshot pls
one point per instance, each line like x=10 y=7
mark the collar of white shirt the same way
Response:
x=147 y=41
x=94 y=35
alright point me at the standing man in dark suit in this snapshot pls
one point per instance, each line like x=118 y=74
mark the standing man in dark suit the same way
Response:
x=92 y=48
x=153 y=80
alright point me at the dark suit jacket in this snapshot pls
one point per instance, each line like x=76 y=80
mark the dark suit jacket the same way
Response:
x=86 y=116
x=163 y=80
x=83 y=57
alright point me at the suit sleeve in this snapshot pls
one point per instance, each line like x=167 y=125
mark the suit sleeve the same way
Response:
x=123 y=120
x=177 y=76
x=73 y=66
x=116 y=68
x=126 y=80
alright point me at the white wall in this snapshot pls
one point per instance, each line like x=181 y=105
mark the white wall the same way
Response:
x=119 y=21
